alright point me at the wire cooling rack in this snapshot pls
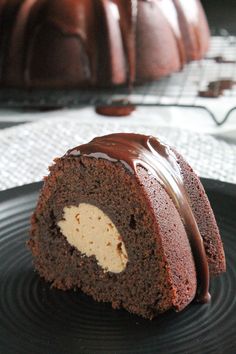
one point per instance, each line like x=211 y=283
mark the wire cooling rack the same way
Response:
x=180 y=89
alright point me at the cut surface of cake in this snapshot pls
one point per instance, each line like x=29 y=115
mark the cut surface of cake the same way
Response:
x=97 y=43
x=125 y=219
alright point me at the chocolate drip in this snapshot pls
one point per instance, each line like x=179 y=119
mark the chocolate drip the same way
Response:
x=128 y=10
x=134 y=150
x=119 y=108
x=216 y=88
x=169 y=10
x=132 y=46
x=15 y=67
x=220 y=59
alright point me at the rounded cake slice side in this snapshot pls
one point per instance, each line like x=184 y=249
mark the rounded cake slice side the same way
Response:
x=155 y=277
x=205 y=218
x=174 y=240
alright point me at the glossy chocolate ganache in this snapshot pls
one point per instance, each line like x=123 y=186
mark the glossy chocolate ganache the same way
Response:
x=134 y=150
x=104 y=43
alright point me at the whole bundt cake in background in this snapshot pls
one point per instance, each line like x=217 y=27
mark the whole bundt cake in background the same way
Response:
x=125 y=219
x=97 y=43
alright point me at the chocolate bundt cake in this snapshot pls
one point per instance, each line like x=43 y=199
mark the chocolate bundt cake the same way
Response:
x=97 y=43
x=125 y=219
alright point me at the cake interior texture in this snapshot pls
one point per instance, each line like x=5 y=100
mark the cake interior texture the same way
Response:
x=143 y=261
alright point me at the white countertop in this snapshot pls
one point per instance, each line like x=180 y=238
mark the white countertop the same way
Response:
x=28 y=149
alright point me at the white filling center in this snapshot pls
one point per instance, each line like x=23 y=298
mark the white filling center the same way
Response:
x=92 y=232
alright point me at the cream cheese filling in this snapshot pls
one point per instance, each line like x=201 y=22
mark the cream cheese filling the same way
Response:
x=92 y=232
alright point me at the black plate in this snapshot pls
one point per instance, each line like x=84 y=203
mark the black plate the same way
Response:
x=36 y=319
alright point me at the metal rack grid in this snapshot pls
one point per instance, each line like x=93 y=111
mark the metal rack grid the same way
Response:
x=180 y=89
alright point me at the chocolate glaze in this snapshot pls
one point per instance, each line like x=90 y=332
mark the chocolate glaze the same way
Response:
x=189 y=17
x=121 y=108
x=221 y=60
x=134 y=150
x=71 y=43
x=223 y=84
x=128 y=20
x=216 y=88
x=169 y=10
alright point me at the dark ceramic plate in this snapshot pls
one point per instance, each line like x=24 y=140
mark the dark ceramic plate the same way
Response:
x=36 y=319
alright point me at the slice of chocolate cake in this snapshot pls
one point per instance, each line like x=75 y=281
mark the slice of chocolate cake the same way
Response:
x=125 y=219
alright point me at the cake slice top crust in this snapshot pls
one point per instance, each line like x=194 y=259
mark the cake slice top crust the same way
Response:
x=134 y=150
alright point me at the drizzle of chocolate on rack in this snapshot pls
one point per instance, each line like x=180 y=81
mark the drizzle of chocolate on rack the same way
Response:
x=221 y=60
x=134 y=150
x=216 y=88
x=119 y=108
